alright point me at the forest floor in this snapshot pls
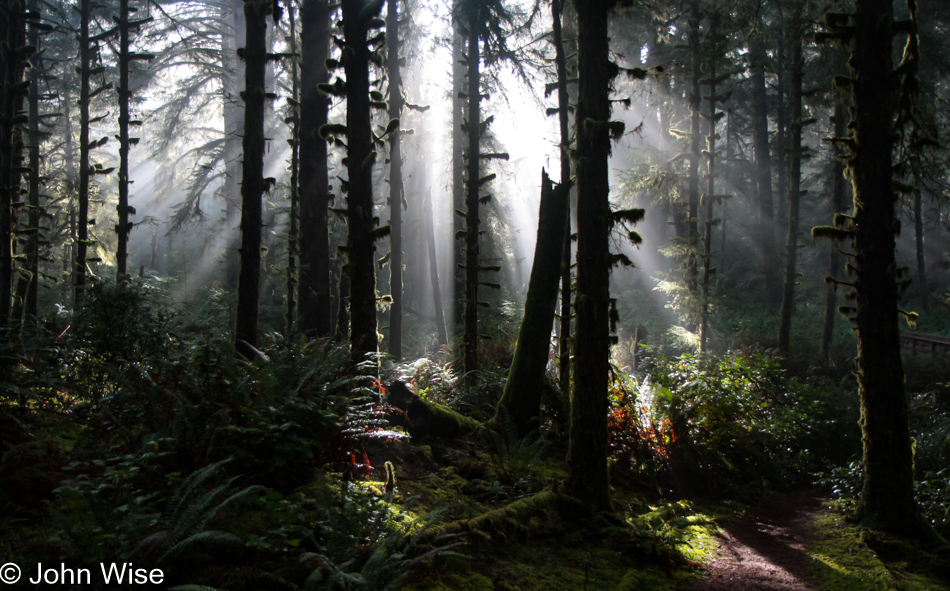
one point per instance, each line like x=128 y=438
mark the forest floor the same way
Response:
x=803 y=541
x=766 y=548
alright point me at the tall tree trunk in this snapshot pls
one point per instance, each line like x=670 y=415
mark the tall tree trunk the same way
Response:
x=695 y=139
x=13 y=34
x=781 y=137
x=360 y=157
x=563 y=107
x=458 y=170
x=522 y=395
x=231 y=41
x=293 y=233
x=470 y=338
x=123 y=227
x=710 y=195
x=794 y=191
x=256 y=13
x=587 y=452
x=838 y=204
x=434 y=270
x=33 y=245
x=396 y=196
x=887 y=498
x=763 y=171
x=82 y=221
x=314 y=289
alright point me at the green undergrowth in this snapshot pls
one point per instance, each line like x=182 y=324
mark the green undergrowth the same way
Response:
x=848 y=557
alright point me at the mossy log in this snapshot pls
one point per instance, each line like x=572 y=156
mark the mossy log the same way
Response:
x=422 y=418
x=516 y=521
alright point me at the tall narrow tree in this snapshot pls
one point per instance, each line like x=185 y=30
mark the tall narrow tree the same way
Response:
x=126 y=56
x=396 y=197
x=293 y=232
x=887 y=496
x=314 y=288
x=252 y=177
x=794 y=188
x=587 y=453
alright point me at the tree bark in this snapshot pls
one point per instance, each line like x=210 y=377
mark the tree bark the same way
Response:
x=293 y=232
x=458 y=171
x=470 y=338
x=587 y=451
x=82 y=220
x=919 y=247
x=123 y=227
x=794 y=191
x=256 y=13
x=360 y=157
x=396 y=197
x=563 y=106
x=763 y=171
x=233 y=111
x=695 y=138
x=522 y=395
x=887 y=499
x=314 y=288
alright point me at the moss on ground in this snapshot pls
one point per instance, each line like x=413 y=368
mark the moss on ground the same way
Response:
x=850 y=558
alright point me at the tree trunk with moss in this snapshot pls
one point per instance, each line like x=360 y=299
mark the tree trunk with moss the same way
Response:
x=13 y=61
x=314 y=317
x=470 y=337
x=396 y=196
x=794 y=193
x=82 y=207
x=256 y=13
x=360 y=159
x=587 y=452
x=887 y=498
x=526 y=378
x=563 y=112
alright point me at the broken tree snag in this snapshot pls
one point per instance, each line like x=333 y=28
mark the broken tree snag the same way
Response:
x=526 y=378
x=421 y=418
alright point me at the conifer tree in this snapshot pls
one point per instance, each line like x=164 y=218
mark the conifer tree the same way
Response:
x=587 y=453
x=126 y=26
x=253 y=185
x=14 y=54
x=360 y=17
x=314 y=288
x=396 y=197
x=887 y=496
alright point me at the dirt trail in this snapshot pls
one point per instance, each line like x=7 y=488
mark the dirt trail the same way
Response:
x=764 y=549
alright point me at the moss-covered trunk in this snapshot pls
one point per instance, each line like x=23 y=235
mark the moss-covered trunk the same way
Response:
x=314 y=316
x=470 y=338
x=256 y=13
x=794 y=191
x=587 y=453
x=526 y=378
x=395 y=182
x=82 y=206
x=360 y=157
x=888 y=495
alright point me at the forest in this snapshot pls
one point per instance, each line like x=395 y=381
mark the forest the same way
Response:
x=430 y=295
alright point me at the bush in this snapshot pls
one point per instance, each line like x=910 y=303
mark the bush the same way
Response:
x=718 y=422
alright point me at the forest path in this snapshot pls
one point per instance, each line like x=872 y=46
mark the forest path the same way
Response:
x=765 y=548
